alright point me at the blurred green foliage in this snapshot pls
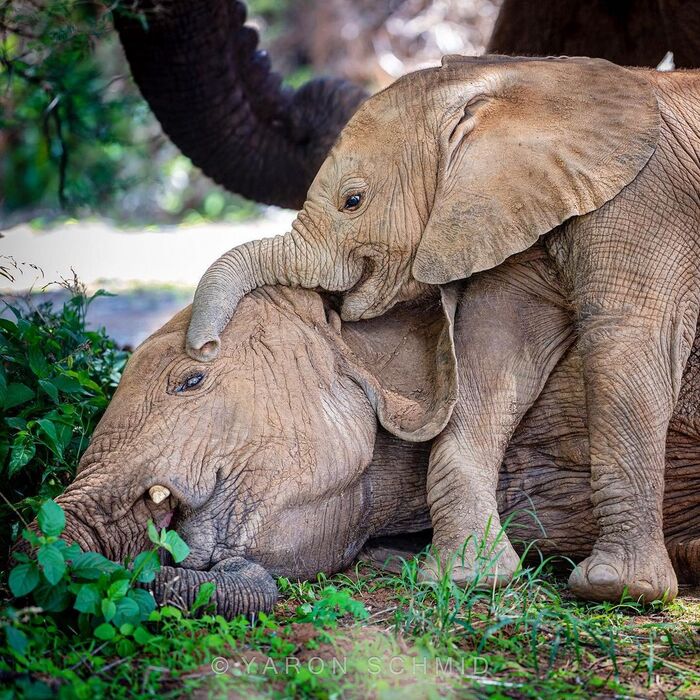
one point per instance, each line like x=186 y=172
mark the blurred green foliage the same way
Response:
x=76 y=138
x=63 y=128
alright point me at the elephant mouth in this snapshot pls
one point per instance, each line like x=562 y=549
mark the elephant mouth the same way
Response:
x=367 y=299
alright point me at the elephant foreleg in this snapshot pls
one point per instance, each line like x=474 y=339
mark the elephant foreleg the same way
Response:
x=511 y=330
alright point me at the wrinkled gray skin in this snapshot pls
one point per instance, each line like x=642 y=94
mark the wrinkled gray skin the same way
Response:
x=586 y=172
x=275 y=461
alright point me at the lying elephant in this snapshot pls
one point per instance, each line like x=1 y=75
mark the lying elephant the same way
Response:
x=271 y=458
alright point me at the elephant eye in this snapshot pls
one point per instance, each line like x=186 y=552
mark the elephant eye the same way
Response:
x=190 y=383
x=352 y=202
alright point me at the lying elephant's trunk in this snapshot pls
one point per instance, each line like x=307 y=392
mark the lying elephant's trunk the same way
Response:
x=242 y=588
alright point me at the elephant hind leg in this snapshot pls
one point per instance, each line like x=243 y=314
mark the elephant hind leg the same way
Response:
x=389 y=552
x=685 y=557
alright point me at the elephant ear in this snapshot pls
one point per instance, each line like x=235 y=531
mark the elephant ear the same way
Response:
x=405 y=362
x=525 y=144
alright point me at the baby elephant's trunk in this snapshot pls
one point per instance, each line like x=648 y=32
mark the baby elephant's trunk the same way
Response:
x=242 y=587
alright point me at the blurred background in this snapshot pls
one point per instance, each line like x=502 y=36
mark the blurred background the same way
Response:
x=90 y=185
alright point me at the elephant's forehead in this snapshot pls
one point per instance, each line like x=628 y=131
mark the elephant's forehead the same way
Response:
x=379 y=124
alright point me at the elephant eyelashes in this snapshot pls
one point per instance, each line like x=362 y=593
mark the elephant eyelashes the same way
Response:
x=190 y=383
x=353 y=202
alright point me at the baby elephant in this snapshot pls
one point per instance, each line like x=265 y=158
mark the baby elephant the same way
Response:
x=590 y=171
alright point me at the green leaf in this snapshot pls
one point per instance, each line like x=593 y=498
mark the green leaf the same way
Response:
x=144 y=600
x=67 y=384
x=52 y=562
x=31 y=537
x=125 y=647
x=153 y=533
x=105 y=631
x=174 y=544
x=17 y=394
x=147 y=564
x=16 y=639
x=127 y=628
x=52 y=598
x=23 y=579
x=17 y=423
x=37 y=362
x=49 y=430
x=109 y=609
x=142 y=635
x=23 y=450
x=50 y=389
x=127 y=611
x=51 y=518
x=118 y=589
x=204 y=595
x=88 y=599
x=91 y=565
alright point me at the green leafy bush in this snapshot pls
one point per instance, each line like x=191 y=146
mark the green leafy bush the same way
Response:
x=60 y=578
x=60 y=590
x=56 y=379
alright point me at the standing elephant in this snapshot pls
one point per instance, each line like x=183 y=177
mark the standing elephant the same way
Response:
x=198 y=66
x=448 y=172
x=271 y=460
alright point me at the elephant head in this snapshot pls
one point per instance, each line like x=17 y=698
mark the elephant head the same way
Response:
x=259 y=460
x=446 y=173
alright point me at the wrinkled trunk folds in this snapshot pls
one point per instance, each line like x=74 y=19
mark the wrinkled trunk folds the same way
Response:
x=289 y=260
x=242 y=588
x=197 y=66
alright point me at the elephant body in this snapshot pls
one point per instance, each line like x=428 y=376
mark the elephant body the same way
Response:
x=273 y=460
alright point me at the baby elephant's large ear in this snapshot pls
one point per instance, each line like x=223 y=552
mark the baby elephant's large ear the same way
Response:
x=405 y=362
x=525 y=144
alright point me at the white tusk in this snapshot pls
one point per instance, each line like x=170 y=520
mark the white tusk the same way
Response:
x=667 y=62
x=158 y=493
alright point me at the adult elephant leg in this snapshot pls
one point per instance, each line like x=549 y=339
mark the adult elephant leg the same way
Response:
x=637 y=313
x=633 y=364
x=512 y=329
x=685 y=555
x=242 y=587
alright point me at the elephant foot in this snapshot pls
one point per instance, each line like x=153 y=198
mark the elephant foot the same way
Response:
x=643 y=573
x=486 y=561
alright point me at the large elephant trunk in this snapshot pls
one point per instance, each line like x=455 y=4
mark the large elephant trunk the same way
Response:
x=242 y=587
x=290 y=260
x=197 y=65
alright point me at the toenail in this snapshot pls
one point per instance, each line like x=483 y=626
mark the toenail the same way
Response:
x=602 y=575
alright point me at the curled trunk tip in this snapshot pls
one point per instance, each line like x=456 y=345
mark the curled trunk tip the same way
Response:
x=202 y=348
